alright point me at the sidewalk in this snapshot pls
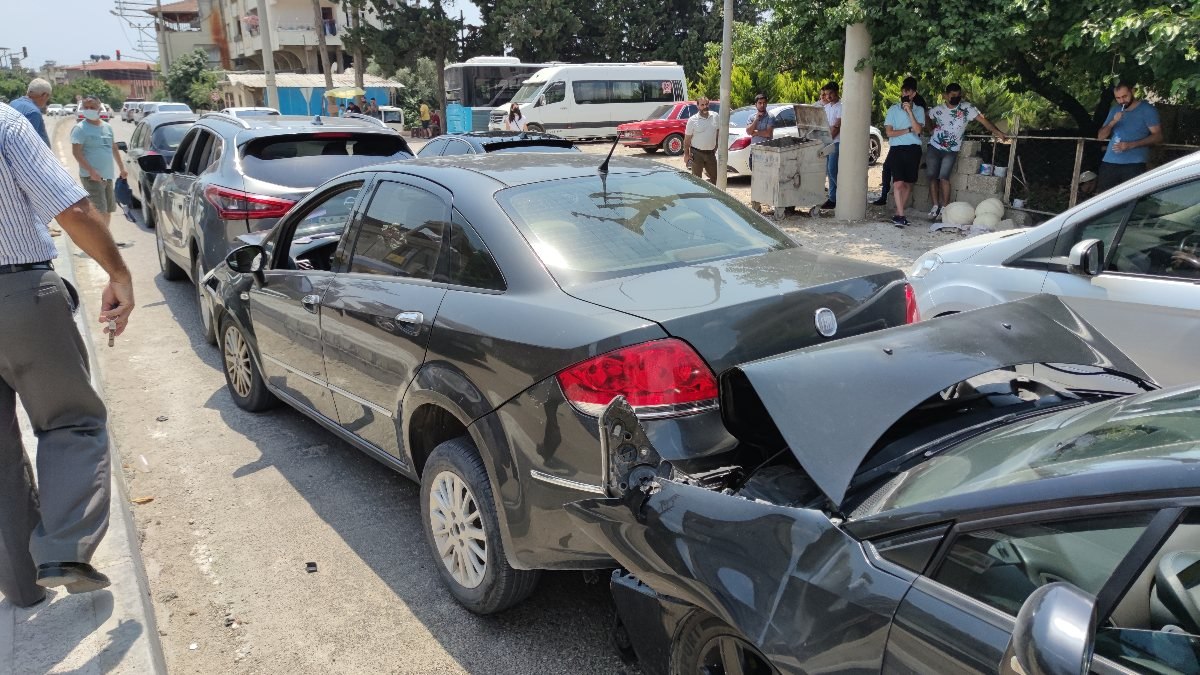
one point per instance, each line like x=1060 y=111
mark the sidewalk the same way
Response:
x=108 y=631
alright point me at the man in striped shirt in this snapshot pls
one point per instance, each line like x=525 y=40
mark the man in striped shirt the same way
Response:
x=48 y=534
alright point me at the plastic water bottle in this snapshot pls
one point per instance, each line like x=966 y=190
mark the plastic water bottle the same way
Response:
x=1116 y=138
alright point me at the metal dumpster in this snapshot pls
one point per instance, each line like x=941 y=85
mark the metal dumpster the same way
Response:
x=789 y=171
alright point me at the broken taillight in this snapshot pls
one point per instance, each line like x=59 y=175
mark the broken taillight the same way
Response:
x=661 y=378
x=911 y=313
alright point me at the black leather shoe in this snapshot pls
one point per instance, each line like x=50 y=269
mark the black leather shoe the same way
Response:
x=829 y=205
x=76 y=576
x=882 y=201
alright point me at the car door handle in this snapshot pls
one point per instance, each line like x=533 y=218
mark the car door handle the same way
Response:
x=310 y=303
x=411 y=318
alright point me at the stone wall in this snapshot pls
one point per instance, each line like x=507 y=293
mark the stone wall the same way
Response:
x=966 y=185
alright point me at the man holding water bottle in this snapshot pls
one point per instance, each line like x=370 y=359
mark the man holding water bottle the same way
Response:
x=1134 y=126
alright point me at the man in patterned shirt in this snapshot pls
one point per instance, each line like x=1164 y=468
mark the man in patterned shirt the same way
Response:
x=951 y=120
x=49 y=533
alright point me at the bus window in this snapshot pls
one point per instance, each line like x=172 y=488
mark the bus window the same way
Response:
x=556 y=92
x=626 y=91
x=590 y=91
x=657 y=90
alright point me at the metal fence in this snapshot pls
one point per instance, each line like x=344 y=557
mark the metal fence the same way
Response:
x=1044 y=170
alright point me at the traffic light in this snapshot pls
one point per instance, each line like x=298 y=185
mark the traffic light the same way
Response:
x=118 y=54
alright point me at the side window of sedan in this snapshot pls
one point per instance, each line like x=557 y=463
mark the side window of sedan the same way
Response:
x=434 y=148
x=1001 y=567
x=456 y=148
x=1162 y=235
x=785 y=118
x=687 y=111
x=401 y=233
x=470 y=262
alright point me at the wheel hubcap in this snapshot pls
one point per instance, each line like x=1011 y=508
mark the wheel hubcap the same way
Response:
x=457 y=526
x=237 y=362
x=728 y=655
x=675 y=145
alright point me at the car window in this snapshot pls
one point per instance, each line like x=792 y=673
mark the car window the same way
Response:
x=1162 y=235
x=590 y=228
x=714 y=107
x=659 y=90
x=314 y=239
x=590 y=91
x=1001 y=566
x=433 y=148
x=307 y=160
x=786 y=117
x=662 y=112
x=401 y=233
x=470 y=262
x=168 y=136
x=138 y=139
x=687 y=111
x=454 y=147
x=556 y=92
x=179 y=164
x=202 y=152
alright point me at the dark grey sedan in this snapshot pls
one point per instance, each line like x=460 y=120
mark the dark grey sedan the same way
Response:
x=908 y=502
x=464 y=320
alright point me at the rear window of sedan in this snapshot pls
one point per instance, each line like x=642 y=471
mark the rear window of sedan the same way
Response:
x=169 y=136
x=307 y=160
x=586 y=229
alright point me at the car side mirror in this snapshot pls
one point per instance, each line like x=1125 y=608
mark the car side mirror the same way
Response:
x=1086 y=258
x=1054 y=634
x=122 y=146
x=153 y=163
x=248 y=259
x=541 y=100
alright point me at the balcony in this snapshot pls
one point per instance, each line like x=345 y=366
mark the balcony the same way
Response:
x=296 y=35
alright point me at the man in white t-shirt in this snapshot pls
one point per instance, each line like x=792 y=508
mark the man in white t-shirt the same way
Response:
x=832 y=102
x=950 y=120
x=514 y=120
x=700 y=141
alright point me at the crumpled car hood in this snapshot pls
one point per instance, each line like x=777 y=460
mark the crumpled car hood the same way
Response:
x=831 y=403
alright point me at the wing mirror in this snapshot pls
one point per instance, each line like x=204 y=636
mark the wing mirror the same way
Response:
x=1086 y=258
x=247 y=259
x=122 y=146
x=152 y=163
x=541 y=100
x=1054 y=633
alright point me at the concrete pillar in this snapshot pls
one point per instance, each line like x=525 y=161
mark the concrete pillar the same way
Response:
x=856 y=124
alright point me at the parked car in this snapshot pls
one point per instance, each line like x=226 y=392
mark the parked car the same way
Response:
x=902 y=502
x=70 y=108
x=392 y=116
x=54 y=109
x=1127 y=260
x=663 y=128
x=157 y=134
x=233 y=175
x=128 y=109
x=783 y=119
x=481 y=142
x=465 y=319
x=250 y=111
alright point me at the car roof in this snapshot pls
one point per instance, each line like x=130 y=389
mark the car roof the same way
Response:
x=521 y=168
x=267 y=125
x=159 y=119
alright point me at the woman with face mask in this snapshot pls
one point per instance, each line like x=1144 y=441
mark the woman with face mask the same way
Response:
x=515 y=121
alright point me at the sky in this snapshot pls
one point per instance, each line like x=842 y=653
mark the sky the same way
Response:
x=69 y=31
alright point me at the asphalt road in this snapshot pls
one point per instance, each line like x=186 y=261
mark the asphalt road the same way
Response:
x=241 y=502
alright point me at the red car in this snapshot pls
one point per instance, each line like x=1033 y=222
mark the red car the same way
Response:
x=663 y=128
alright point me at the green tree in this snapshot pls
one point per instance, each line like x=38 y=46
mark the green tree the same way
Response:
x=12 y=84
x=535 y=28
x=407 y=33
x=89 y=86
x=188 y=71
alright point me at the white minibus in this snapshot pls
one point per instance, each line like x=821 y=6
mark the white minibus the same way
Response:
x=589 y=100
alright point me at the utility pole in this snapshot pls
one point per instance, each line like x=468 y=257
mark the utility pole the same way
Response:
x=726 y=104
x=268 y=52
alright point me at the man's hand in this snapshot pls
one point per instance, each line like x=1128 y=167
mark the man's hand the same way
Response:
x=1117 y=118
x=124 y=173
x=117 y=303
x=94 y=175
x=1122 y=146
x=1001 y=136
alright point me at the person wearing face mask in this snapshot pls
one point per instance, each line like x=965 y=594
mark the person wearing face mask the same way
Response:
x=950 y=121
x=33 y=104
x=515 y=121
x=99 y=160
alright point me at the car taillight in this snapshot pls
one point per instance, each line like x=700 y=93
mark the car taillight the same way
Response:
x=911 y=313
x=661 y=378
x=740 y=143
x=235 y=204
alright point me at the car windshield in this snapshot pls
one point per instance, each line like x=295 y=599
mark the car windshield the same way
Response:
x=527 y=92
x=662 y=112
x=393 y=116
x=168 y=136
x=586 y=229
x=741 y=116
x=1164 y=426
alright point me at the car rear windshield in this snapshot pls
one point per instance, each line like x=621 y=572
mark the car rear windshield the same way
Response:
x=168 y=136
x=662 y=112
x=255 y=113
x=741 y=116
x=586 y=229
x=499 y=149
x=172 y=107
x=307 y=160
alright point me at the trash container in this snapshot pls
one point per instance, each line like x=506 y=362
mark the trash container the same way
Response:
x=787 y=172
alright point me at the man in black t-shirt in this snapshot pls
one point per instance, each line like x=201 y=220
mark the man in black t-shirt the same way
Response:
x=919 y=101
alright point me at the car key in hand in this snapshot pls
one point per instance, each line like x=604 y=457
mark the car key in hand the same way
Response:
x=112 y=332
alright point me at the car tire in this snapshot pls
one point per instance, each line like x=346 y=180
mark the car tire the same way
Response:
x=148 y=218
x=535 y=128
x=456 y=469
x=242 y=376
x=650 y=151
x=170 y=271
x=702 y=644
x=673 y=145
x=208 y=329
x=874 y=150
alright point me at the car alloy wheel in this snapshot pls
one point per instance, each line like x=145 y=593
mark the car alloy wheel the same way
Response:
x=727 y=654
x=874 y=149
x=237 y=362
x=458 y=529
x=704 y=644
x=673 y=145
x=204 y=303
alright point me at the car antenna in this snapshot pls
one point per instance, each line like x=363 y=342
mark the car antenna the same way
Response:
x=604 y=166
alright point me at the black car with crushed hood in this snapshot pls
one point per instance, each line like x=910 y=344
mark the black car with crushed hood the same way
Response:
x=465 y=319
x=908 y=501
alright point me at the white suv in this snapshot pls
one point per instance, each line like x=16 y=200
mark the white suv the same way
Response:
x=1127 y=260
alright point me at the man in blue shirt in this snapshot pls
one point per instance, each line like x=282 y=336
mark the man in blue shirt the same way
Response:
x=33 y=104
x=99 y=161
x=903 y=127
x=1133 y=127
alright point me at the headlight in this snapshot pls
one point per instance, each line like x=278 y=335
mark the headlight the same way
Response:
x=924 y=265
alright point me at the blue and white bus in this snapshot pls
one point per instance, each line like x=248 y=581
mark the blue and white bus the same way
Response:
x=485 y=82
